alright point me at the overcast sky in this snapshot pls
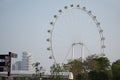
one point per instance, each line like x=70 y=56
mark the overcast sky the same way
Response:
x=24 y=25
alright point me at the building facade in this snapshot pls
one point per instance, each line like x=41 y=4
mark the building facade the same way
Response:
x=26 y=61
x=17 y=65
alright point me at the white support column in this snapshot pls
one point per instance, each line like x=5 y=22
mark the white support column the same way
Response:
x=73 y=51
x=82 y=52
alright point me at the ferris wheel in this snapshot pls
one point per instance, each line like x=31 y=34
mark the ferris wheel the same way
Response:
x=56 y=19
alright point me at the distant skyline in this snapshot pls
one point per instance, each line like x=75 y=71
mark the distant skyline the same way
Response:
x=24 y=25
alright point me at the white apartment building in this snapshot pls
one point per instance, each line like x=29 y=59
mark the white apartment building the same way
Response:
x=26 y=61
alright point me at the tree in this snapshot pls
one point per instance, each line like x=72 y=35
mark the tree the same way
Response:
x=110 y=74
x=104 y=63
x=98 y=68
x=36 y=66
x=77 y=68
x=55 y=71
x=56 y=68
x=116 y=70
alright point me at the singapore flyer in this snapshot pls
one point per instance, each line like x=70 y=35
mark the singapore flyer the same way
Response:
x=74 y=33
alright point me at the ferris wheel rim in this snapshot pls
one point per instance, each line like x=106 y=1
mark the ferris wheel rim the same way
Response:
x=89 y=13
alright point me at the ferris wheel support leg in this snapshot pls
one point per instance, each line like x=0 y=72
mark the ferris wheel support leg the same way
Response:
x=82 y=53
x=72 y=52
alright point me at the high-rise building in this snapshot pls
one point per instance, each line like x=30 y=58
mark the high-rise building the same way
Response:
x=26 y=61
x=17 y=65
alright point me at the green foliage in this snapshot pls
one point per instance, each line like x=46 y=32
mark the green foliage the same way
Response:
x=36 y=66
x=95 y=63
x=18 y=78
x=103 y=63
x=56 y=68
x=109 y=74
x=116 y=70
x=37 y=69
x=3 y=78
x=76 y=67
x=99 y=68
x=93 y=75
x=93 y=68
